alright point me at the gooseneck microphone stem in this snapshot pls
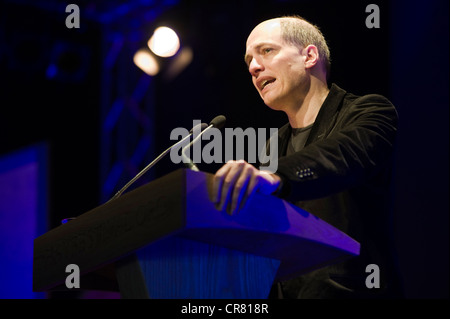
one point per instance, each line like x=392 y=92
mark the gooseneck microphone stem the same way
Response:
x=156 y=160
x=218 y=122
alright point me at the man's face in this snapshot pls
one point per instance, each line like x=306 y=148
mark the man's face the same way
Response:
x=277 y=68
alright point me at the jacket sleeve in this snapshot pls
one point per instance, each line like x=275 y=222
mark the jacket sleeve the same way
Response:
x=358 y=146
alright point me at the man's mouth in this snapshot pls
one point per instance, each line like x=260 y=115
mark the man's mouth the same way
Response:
x=266 y=83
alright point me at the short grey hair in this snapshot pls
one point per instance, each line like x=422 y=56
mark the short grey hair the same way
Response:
x=298 y=31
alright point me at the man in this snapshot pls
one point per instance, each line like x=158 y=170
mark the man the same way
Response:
x=334 y=157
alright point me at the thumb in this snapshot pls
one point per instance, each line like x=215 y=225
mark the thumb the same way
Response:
x=269 y=182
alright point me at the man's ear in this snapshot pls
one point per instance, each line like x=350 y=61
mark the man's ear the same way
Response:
x=311 y=56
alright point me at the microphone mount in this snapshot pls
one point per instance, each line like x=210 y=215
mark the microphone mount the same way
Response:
x=217 y=122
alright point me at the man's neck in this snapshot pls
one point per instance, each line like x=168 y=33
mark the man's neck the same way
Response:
x=305 y=114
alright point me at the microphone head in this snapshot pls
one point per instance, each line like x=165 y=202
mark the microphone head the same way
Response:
x=218 y=121
x=200 y=126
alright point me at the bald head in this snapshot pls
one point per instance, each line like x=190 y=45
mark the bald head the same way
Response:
x=297 y=31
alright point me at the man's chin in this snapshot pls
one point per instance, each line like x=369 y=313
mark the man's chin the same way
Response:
x=272 y=105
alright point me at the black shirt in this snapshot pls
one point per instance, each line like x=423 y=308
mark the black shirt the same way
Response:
x=298 y=139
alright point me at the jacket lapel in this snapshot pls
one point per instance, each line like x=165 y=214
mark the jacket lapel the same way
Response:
x=327 y=114
x=323 y=124
x=283 y=138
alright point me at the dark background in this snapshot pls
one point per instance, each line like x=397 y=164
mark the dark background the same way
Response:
x=406 y=60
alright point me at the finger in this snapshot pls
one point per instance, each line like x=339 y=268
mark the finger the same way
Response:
x=246 y=192
x=269 y=182
x=240 y=189
x=253 y=185
x=218 y=182
x=229 y=183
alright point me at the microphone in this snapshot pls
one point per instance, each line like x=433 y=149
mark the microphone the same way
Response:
x=200 y=126
x=217 y=122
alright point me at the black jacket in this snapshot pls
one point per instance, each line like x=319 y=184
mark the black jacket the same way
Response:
x=343 y=176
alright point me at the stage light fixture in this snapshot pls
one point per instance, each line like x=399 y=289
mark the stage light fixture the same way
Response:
x=164 y=42
x=146 y=62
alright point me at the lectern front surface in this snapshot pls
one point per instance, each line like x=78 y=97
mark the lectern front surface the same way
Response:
x=178 y=205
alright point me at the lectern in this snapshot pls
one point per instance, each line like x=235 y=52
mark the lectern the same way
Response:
x=167 y=240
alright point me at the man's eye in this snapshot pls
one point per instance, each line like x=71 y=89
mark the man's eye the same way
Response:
x=267 y=50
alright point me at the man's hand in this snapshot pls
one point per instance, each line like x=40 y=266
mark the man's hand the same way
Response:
x=236 y=181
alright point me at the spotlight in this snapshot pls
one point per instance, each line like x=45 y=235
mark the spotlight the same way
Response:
x=164 y=42
x=146 y=62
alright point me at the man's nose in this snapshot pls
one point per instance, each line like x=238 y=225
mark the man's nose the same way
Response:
x=255 y=67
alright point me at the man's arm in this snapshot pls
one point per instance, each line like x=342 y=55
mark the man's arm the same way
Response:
x=359 y=146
